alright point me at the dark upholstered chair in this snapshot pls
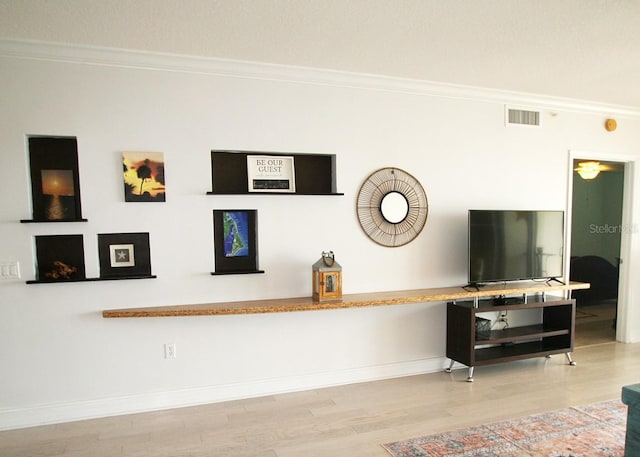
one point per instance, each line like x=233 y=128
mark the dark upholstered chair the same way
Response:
x=601 y=274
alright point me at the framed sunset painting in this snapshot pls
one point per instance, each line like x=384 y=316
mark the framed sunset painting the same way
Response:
x=144 y=179
x=55 y=181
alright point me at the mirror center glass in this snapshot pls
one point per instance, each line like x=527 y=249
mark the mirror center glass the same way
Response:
x=394 y=207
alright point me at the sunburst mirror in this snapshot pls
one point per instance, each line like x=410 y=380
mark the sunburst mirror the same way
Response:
x=392 y=207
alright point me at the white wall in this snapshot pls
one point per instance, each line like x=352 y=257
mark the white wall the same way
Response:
x=61 y=360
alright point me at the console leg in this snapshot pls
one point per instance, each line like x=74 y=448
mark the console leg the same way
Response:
x=571 y=362
x=448 y=370
x=470 y=378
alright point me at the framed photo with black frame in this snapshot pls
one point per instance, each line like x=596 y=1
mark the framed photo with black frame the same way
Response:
x=124 y=255
x=235 y=241
x=55 y=181
x=60 y=258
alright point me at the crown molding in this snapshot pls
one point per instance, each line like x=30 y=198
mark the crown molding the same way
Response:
x=146 y=60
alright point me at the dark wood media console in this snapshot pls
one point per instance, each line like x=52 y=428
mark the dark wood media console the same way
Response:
x=472 y=347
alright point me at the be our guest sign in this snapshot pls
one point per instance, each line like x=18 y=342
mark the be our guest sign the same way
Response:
x=271 y=173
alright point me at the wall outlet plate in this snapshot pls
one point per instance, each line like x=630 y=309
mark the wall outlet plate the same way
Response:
x=170 y=350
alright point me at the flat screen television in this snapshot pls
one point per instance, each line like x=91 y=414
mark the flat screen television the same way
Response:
x=515 y=245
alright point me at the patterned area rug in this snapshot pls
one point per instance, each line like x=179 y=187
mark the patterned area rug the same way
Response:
x=596 y=430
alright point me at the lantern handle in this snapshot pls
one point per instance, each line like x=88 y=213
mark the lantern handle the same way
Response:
x=326 y=256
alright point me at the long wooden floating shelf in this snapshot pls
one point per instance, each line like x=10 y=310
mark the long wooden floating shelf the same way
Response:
x=401 y=297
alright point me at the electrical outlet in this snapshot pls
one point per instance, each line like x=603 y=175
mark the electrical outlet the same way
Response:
x=170 y=351
x=502 y=319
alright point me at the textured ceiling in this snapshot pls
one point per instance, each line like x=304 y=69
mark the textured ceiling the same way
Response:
x=578 y=49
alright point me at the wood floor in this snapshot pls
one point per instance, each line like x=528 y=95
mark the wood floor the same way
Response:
x=350 y=420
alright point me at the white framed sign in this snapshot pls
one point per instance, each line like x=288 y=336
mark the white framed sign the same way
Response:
x=271 y=173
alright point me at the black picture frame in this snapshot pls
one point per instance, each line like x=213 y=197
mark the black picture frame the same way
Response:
x=60 y=258
x=55 y=180
x=239 y=254
x=124 y=255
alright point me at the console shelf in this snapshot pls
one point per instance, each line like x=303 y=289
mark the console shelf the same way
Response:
x=515 y=352
x=467 y=345
x=525 y=332
x=281 y=305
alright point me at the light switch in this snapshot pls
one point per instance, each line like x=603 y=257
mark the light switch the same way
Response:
x=10 y=270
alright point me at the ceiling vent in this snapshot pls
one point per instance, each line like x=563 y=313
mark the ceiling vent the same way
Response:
x=523 y=117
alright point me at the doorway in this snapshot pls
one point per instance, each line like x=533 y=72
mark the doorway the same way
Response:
x=596 y=234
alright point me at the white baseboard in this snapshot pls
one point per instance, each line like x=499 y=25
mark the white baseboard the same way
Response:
x=79 y=410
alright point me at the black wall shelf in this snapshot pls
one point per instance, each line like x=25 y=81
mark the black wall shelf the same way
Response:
x=40 y=221
x=248 y=272
x=315 y=174
x=43 y=281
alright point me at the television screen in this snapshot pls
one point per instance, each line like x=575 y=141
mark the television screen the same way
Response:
x=515 y=245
